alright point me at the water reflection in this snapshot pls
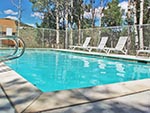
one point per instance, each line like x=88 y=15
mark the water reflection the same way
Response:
x=120 y=69
x=82 y=59
x=102 y=65
x=52 y=71
x=141 y=71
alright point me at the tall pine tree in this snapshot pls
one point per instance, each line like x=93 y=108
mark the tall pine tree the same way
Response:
x=112 y=14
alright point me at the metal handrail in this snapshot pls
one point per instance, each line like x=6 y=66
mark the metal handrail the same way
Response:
x=14 y=55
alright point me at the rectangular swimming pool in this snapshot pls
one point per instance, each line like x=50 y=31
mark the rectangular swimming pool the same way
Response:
x=54 y=70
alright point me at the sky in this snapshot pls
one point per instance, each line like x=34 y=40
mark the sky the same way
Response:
x=8 y=10
x=123 y=4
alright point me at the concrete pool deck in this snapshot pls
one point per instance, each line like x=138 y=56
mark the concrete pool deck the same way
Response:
x=114 y=56
x=18 y=95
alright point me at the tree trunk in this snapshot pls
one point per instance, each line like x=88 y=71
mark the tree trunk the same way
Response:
x=129 y=26
x=19 y=16
x=93 y=12
x=79 y=30
x=135 y=24
x=57 y=26
x=93 y=17
x=71 y=38
x=100 y=20
x=141 y=23
x=66 y=27
x=19 y=7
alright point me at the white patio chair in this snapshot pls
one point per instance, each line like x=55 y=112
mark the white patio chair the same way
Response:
x=120 y=46
x=144 y=50
x=101 y=45
x=84 y=46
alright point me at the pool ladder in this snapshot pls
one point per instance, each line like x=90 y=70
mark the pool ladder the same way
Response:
x=19 y=48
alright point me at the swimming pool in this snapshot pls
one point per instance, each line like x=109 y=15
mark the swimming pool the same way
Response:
x=55 y=70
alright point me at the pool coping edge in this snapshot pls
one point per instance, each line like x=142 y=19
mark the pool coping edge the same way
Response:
x=39 y=101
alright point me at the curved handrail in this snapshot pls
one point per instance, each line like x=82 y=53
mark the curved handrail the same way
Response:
x=23 y=49
x=14 y=55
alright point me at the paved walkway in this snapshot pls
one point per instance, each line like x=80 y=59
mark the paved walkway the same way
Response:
x=135 y=103
x=5 y=106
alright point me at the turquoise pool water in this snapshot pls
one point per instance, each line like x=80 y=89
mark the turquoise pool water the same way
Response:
x=53 y=70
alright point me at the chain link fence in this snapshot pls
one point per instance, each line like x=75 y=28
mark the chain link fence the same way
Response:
x=47 y=38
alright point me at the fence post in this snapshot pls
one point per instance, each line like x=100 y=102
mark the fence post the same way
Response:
x=57 y=38
x=66 y=38
x=42 y=37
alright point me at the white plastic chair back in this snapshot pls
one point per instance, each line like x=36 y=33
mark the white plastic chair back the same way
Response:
x=86 y=42
x=102 y=42
x=121 y=43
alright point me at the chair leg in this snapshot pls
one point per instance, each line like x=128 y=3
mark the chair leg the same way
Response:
x=90 y=49
x=108 y=51
x=73 y=48
x=104 y=50
x=137 y=53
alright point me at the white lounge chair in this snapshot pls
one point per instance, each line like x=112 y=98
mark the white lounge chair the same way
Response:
x=84 y=46
x=101 y=45
x=120 y=46
x=145 y=50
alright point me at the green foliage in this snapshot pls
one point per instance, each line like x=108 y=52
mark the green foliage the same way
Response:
x=45 y=7
x=146 y=12
x=112 y=15
x=48 y=22
x=78 y=12
x=146 y=18
x=86 y=23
